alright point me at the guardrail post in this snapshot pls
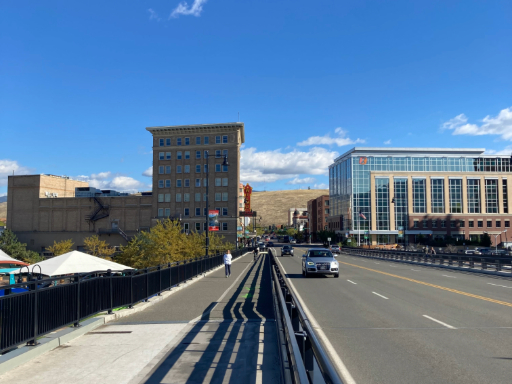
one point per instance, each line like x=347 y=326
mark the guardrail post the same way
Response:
x=498 y=266
x=450 y=261
x=483 y=264
x=471 y=263
x=111 y=294
x=461 y=262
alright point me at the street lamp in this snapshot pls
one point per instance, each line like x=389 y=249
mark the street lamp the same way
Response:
x=225 y=163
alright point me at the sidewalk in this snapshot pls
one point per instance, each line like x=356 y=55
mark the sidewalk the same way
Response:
x=218 y=330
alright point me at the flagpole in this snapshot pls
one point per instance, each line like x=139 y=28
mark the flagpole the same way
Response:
x=359 y=230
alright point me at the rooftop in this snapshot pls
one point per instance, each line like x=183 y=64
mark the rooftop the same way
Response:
x=191 y=127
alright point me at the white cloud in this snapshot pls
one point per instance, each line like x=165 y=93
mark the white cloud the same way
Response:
x=148 y=172
x=153 y=15
x=8 y=166
x=320 y=186
x=101 y=175
x=305 y=180
x=387 y=142
x=274 y=165
x=500 y=125
x=108 y=180
x=183 y=9
x=340 y=140
x=506 y=151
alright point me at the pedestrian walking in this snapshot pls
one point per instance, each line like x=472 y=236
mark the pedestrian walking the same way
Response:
x=256 y=250
x=227 y=262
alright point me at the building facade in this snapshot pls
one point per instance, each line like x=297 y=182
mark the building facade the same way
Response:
x=181 y=157
x=391 y=195
x=318 y=212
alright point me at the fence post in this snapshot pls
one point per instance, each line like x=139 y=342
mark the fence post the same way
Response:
x=159 y=268
x=147 y=284
x=77 y=280
x=109 y=274
x=170 y=275
x=36 y=330
x=131 y=289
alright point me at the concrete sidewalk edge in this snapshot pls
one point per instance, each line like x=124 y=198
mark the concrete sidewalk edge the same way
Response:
x=51 y=341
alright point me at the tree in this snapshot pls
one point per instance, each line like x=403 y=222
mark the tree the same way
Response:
x=9 y=244
x=61 y=247
x=485 y=240
x=97 y=247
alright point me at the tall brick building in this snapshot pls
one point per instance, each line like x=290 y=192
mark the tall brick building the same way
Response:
x=318 y=211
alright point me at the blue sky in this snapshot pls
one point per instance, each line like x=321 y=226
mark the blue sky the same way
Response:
x=80 y=81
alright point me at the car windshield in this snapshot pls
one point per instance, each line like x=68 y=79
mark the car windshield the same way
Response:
x=320 y=253
x=286 y=247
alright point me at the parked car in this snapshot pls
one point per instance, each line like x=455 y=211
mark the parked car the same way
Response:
x=319 y=261
x=286 y=250
x=472 y=252
x=335 y=249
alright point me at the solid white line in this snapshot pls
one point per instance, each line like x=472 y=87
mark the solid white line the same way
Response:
x=439 y=322
x=347 y=377
x=496 y=285
x=384 y=297
x=350 y=281
x=453 y=277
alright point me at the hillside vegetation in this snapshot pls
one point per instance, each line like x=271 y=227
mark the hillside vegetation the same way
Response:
x=273 y=206
x=3 y=210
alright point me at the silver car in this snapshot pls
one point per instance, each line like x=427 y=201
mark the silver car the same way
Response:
x=319 y=261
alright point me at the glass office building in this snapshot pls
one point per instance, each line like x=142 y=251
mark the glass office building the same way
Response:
x=387 y=194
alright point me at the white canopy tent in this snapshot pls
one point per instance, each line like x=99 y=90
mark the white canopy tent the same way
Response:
x=74 y=262
x=5 y=257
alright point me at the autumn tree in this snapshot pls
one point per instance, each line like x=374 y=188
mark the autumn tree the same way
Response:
x=61 y=247
x=9 y=244
x=96 y=247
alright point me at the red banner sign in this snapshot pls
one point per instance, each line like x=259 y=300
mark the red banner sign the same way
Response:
x=247 y=198
x=213 y=220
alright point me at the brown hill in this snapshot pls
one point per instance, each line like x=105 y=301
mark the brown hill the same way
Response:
x=3 y=210
x=273 y=206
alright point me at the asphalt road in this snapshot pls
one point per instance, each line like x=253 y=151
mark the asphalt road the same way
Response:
x=397 y=323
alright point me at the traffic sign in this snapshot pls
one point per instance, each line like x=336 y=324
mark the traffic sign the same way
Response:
x=328 y=239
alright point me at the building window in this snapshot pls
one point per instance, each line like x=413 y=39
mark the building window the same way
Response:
x=462 y=223
x=178 y=183
x=400 y=205
x=505 y=196
x=434 y=223
x=167 y=212
x=167 y=155
x=418 y=196
x=160 y=197
x=198 y=168
x=224 y=211
x=168 y=169
x=224 y=139
x=217 y=167
x=424 y=223
x=204 y=196
x=224 y=196
x=178 y=141
x=179 y=155
x=161 y=141
x=198 y=182
x=186 y=227
x=178 y=197
x=186 y=197
x=217 y=139
x=187 y=211
x=382 y=203
x=161 y=155
x=507 y=224
x=206 y=140
x=198 y=154
x=160 y=183
x=224 y=168
x=218 y=196
x=471 y=224
x=224 y=181
x=224 y=226
x=224 y=152
x=160 y=212
x=327 y=211
x=178 y=169
x=205 y=182
x=443 y=223
x=187 y=183
x=187 y=168
x=416 y=224
x=198 y=140
x=187 y=155
x=491 y=195
x=197 y=197
x=161 y=170
x=198 y=226
x=187 y=140
x=473 y=195
x=205 y=168
x=452 y=223
x=437 y=198
x=168 y=142
x=198 y=211
x=167 y=197
x=218 y=181
x=498 y=223
x=217 y=153
x=480 y=223
x=489 y=223
x=455 y=195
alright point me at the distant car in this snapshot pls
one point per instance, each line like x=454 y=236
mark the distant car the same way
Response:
x=335 y=249
x=287 y=250
x=293 y=241
x=261 y=244
x=319 y=261
x=270 y=244
x=472 y=252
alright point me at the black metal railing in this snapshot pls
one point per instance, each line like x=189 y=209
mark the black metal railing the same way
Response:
x=31 y=309
x=305 y=352
x=471 y=262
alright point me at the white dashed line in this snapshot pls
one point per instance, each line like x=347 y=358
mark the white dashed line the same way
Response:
x=416 y=270
x=350 y=281
x=439 y=322
x=496 y=285
x=453 y=277
x=376 y=262
x=384 y=297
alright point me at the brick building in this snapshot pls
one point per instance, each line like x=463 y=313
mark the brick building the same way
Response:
x=318 y=211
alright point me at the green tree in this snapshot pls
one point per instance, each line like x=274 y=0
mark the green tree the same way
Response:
x=61 y=247
x=9 y=244
x=485 y=240
x=96 y=247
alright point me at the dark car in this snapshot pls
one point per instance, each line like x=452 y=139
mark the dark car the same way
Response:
x=287 y=250
x=270 y=244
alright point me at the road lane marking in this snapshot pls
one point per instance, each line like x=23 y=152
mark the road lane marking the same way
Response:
x=376 y=262
x=384 y=297
x=439 y=322
x=453 y=277
x=417 y=270
x=350 y=281
x=497 y=285
x=345 y=374
x=433 y=285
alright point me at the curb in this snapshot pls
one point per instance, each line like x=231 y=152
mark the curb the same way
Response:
x=24 y=354
x=476 y=271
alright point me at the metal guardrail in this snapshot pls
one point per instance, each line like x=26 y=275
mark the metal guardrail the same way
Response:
x=305 y=351
x=486 y=263
x=31 y=309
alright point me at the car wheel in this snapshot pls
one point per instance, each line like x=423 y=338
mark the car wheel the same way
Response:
x=337 y=275
x=303 y=274
x=306 y=273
